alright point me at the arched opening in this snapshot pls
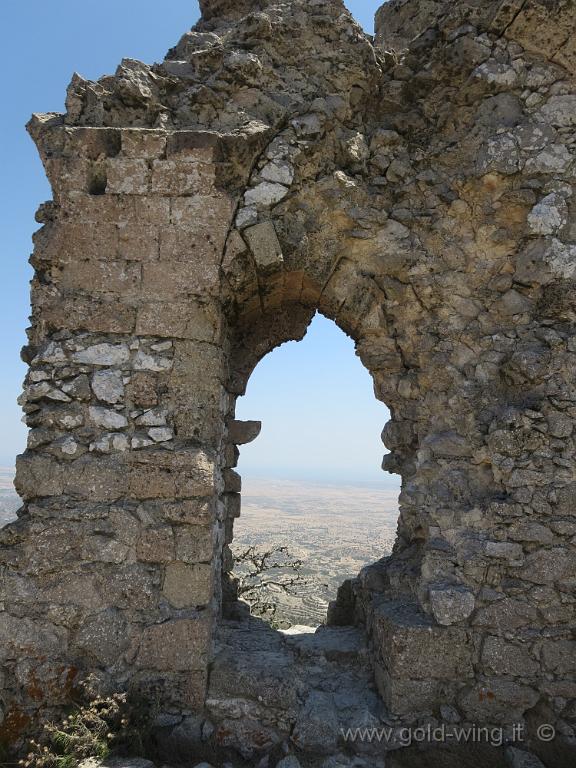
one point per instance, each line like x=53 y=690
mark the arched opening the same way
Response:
x=316 y=506
x=284 y=681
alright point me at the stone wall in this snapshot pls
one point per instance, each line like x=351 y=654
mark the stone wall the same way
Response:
x=204 y=209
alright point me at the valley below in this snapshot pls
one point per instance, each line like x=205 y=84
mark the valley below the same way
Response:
x=333 y=530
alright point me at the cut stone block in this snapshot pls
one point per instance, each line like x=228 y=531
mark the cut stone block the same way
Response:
x=265 y=247
x=242 y=432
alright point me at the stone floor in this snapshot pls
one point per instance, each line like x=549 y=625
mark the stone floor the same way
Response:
x=287 y=699
x=301 y=687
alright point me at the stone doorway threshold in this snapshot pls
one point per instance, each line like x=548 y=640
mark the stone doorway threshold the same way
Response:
x=302 y=687
x=290 y=699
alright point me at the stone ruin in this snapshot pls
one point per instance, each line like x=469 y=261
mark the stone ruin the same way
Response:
x=417 y=189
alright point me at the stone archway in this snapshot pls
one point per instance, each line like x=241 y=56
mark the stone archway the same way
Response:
x=344 y=275
x=203 y=209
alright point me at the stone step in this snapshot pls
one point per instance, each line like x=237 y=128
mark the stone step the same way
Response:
x=346 y=644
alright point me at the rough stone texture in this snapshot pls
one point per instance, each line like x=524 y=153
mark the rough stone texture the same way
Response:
x=203 y=210
x=267 y=687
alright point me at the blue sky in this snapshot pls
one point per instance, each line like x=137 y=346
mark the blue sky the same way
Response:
x=320 y=419
x=312 y=394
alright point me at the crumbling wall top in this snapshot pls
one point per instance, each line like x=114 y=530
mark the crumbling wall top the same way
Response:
x=543 y=27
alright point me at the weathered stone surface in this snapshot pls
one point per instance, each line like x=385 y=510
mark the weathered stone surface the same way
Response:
x=519 y=758
x=550 y=565
x=176 y=645
x=204 y=209
x=290 y=761
x=503 y=658
x=108 y=386
x=549 y=216
x=451 y=604
x=507 y=614
x=265 y=246
x=103 y=354
x=242 y=432
x=497 y=700
x=559 y=656
x=106 y=418
x=186 y=586
x=414 y=649
x=317 y=729
x=104 y=637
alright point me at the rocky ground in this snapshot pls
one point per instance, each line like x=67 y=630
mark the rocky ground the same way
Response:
x=293 y=699
x=512 y=758
x=509 y=758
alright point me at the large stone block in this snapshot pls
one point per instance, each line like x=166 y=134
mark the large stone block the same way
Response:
x=104 y=314
x=450 y=604
x=179 y=320
x=151 y=210
x=206 y=218
x=242 y=432
x=200 y=362
x=138 y=242
x=188 y=586
x=20 y=636
x=74 y=590
x=497 y=700
x=181 y=177
x=94 y=209
x=507 y=615
x=198 y=511
x=195 y=543
x=559 y=656
x=156 y=545
x=199 y=146
x=70 y=243
x=104 y=637
x=405 y=697
x=503 y=658
x=131 y=587
x=111 y=277
x=55 y=547
x=201 y=419
x=178 y=278
x=182 y=691
x=176 y=645
x=37 y=476
x=166 y=475
x=96 y=479
x=127 y=176
x=412 y=647
x=265 y=247
x=184 y=244
x=546 y=566
x=144 y=144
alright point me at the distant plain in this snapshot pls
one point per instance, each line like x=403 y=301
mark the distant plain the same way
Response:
x=334 y=529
